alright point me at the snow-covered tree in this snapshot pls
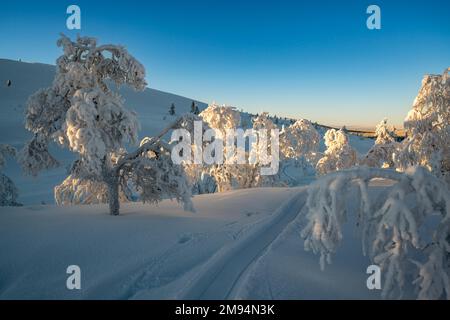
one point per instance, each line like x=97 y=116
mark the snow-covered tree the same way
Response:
x=382 y=152
x=234 y=175
x=264 y=151
x=339 y=154
x=395 y=226
x=194 y=108
x=198 y=174
x=231 y=174
x=263 y=121
x=221 y=117
x=300 y=139
x=82 y=113
x=427 y=128
x=8 y=190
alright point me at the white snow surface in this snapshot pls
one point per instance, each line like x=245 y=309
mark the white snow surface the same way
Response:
x=160 y=252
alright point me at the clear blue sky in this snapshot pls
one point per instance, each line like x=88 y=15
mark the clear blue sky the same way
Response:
x=311 y=59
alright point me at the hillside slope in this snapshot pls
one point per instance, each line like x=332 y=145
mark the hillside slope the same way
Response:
x=151 y=105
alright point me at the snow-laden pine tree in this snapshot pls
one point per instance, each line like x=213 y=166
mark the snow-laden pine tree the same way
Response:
x=81 y=112
x=8 y=190
x=427 y=128
x=382 y=152
x=405 y=230
x=339 y=154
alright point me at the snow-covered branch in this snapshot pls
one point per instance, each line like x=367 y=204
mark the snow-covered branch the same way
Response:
x=392 y=227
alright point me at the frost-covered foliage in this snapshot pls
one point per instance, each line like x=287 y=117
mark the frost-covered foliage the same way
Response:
x=395 y=227
x=234 y=176
x=382 y=152
x=226 y=176
x=221 y=117
x=155 y=177
x=198 y=174
x=339 y=154
x=75 y=190
x=35 y=156
x=8 y=190
x=297 y=148
x=200 y=179
x=232 y=173
x=427 y=128
x=300 y=140
x=263 y=150
x=81 y=112
x=263 y=121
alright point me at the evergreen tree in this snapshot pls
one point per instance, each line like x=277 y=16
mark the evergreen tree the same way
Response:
x=172 y=109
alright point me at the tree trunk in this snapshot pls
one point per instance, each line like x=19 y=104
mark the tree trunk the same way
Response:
x=113 y=195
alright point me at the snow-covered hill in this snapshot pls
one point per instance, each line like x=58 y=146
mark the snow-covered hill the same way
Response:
x=151 y=105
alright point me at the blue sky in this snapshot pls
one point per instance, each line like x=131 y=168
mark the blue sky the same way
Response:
x=311 y=59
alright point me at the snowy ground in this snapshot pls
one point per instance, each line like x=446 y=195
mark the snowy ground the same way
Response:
x=232 y=247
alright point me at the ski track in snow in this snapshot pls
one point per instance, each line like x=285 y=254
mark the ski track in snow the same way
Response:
x=218 y=277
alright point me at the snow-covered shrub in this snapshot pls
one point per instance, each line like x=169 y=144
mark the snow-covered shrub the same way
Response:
x=300 y=139
x=8 y=190
x=82 y=113
x=339 y=154
x=263 y=121
x=427 y=128
x=395 y=226
x=381 y=153
x=221 y=117
x=299 y=146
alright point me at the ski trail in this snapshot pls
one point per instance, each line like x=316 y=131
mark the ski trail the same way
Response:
x=217 y=277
